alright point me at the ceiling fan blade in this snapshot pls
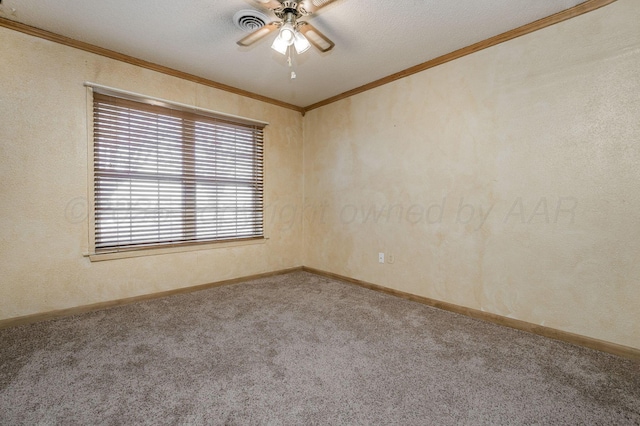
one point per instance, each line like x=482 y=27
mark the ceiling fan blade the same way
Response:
x=315 y=37
x=312 y=5
x=269 y=4
x=258 y=34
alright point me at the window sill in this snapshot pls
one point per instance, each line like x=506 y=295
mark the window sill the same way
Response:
x=99 y=257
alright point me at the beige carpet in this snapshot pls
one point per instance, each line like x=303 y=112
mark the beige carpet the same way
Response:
x=302 y=349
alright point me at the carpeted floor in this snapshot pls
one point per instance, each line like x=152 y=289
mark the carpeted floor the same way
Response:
x=302 y=349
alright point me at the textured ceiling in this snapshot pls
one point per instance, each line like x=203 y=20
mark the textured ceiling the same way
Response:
x=373 y=38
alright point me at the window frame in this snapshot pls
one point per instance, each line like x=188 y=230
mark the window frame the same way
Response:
x=160 y=248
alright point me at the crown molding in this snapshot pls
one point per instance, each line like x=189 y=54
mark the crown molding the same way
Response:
x=581 y=9
x=57 y=38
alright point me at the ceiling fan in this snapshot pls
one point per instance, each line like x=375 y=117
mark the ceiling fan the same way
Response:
x=300 y=34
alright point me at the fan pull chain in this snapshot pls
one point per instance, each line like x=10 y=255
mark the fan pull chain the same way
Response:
x=290 y=62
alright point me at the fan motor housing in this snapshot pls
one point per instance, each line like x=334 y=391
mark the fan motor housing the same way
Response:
x=289 y=6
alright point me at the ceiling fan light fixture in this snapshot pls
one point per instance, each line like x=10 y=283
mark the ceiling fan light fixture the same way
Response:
x=287 y=33
x=301 y=43
x=280 y=46
x=287 y=36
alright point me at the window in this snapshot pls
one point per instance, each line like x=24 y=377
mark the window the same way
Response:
x=166 y=177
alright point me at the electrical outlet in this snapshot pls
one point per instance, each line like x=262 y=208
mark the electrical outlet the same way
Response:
x=381 y=257
x=390 y=258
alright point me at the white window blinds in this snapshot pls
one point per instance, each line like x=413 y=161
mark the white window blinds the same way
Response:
x=165 y=177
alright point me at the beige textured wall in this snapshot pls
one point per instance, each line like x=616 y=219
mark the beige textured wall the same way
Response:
x=43 y=175
x=506 y=181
